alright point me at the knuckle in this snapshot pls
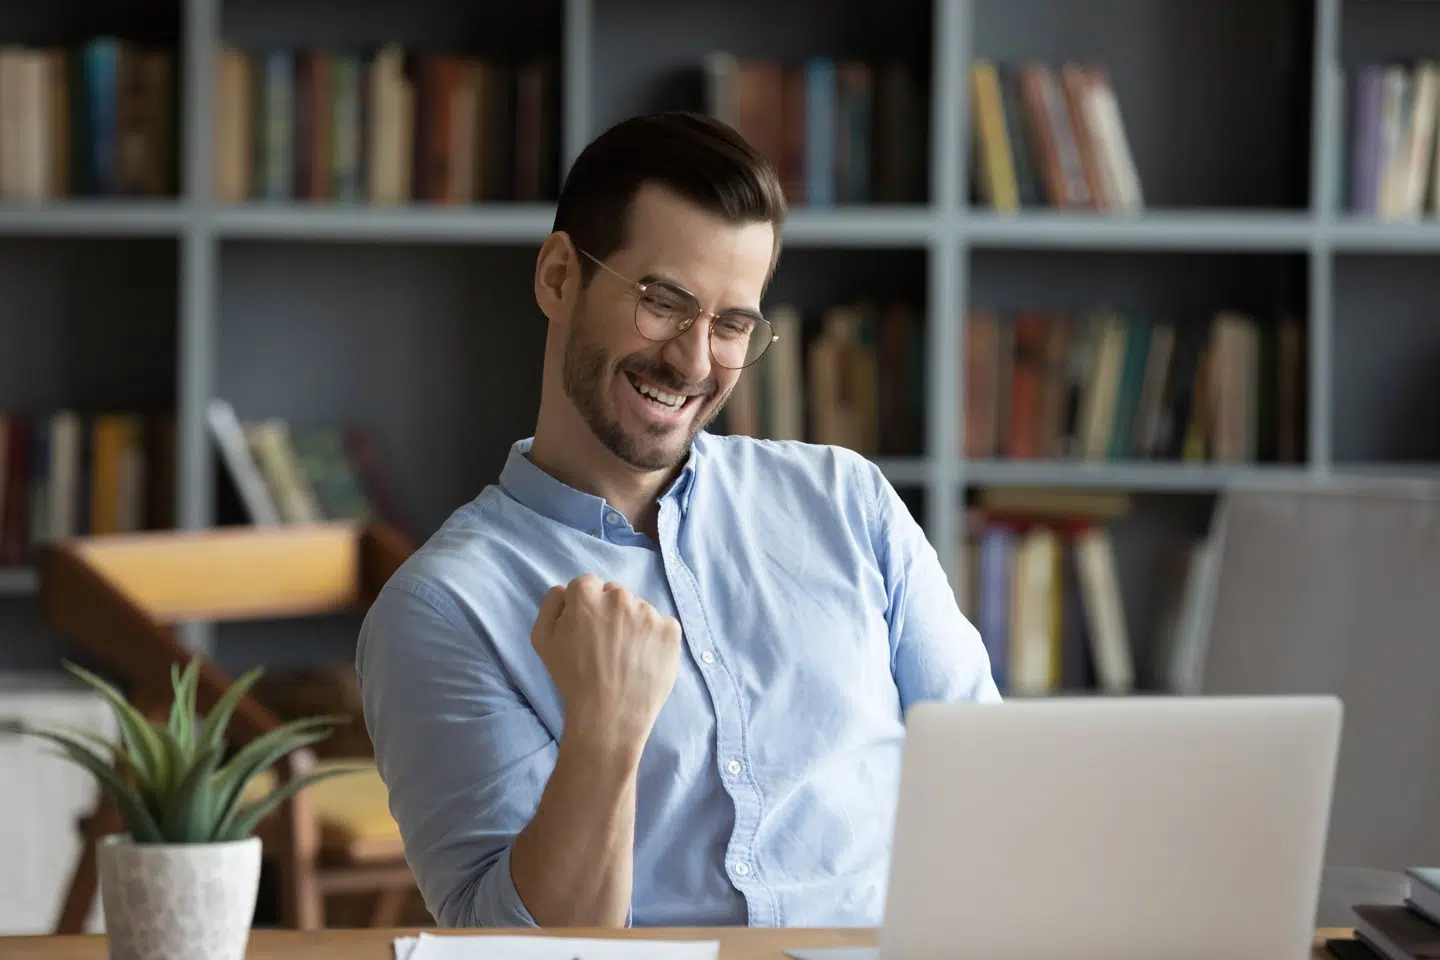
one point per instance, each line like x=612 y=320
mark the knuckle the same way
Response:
x=587 y=584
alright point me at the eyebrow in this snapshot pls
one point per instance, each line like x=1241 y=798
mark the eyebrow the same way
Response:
x=662 y=278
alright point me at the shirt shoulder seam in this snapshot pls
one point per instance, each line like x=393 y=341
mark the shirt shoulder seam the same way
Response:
x=876 y=525
x=443 y=606
x=420 y=588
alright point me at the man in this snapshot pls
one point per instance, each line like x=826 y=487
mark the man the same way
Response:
x=656 y=676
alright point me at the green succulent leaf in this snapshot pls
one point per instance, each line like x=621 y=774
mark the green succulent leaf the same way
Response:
x=181 y=792
x=213 y=731
x=179 y=757
x=112 y=751
x=264 y=750
x=249 y=816
x=142 y=744
x=137 y=818
x=182 y=709
x=261 y=754
x=189 y=815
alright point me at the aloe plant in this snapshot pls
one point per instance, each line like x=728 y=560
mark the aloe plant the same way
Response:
x=170 y=781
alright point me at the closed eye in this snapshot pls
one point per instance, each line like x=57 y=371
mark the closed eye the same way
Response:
x=735 y=325
x=661 y=301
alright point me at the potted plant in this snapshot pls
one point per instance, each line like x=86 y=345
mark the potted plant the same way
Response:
x=182 y=879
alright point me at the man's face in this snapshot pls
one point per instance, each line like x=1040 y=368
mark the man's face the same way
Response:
x=609 y=365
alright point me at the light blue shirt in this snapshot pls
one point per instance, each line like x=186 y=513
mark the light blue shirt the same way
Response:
x=814 y=614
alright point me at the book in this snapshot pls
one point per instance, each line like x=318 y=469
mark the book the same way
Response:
x=1397 y=932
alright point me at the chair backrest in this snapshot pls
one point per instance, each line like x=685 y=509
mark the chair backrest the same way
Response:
x=1338 y=591
x=119 y=597
x=234 y=573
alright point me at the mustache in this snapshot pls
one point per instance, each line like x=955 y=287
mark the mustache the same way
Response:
x=667 y=376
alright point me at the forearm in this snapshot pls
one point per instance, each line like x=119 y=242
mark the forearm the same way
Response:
x=573 y=863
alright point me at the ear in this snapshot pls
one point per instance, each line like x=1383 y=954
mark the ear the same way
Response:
x=557 y=277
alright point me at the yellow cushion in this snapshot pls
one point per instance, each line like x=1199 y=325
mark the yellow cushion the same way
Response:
x=354 y=803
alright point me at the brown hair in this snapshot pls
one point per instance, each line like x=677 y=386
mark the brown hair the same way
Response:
x=698 y=157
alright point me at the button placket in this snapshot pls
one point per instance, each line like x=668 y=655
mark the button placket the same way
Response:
x=729 y=725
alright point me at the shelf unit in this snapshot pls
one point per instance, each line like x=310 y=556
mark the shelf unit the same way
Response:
x=1238 y=230
x=94 y=218
x=417 y=320
x=17 y=582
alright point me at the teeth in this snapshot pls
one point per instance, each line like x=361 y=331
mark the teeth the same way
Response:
x=669 y=399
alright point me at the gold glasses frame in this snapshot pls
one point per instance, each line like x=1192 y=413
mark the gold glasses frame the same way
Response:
x=764 y=330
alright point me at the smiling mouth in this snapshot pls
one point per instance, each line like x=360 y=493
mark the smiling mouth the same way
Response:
x=662 y=399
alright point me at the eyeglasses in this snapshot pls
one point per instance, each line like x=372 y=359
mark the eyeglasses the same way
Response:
x=664 y=310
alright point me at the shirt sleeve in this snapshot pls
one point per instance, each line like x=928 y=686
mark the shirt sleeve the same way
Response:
x=936 y=652
x=463 y=756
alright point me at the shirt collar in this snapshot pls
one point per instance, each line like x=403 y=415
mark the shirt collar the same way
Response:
x=537 y=490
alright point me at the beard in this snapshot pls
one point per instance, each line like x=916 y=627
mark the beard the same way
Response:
x=588 y=373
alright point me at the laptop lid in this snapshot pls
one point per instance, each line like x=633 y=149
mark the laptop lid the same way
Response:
x=1125 y=827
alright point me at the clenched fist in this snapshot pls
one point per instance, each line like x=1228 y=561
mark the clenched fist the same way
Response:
x=612 y=656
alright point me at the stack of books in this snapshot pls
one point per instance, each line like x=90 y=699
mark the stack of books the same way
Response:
x=1102 y=383
x=1409 y=931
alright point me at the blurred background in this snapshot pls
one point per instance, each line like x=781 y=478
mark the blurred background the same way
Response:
x=1133 y=301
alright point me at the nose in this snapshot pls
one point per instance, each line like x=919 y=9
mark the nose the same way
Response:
x=689 y=353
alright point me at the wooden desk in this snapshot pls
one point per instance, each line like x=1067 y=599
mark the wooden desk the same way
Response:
x=735 y=943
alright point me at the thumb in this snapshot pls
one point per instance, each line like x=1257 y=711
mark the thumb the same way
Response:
x=550 y=609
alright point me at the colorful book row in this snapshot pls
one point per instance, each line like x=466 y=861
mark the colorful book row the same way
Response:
x=96 y=119
x=66 y=474
x=837 y=131
x=1392 y=166
x=387 y=126
x=1112 y=385
x=1050 y=136
x=284 y=474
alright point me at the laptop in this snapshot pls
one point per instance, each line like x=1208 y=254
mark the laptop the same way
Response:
x=1147 y=827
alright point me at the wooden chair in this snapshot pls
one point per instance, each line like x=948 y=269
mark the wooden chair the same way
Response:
x=119 y=599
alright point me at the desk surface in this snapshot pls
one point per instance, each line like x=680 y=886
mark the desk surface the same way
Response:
x=735 y=943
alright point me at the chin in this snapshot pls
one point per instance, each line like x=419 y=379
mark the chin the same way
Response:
x=645 y=434
x=652 y=448
x=641 y=414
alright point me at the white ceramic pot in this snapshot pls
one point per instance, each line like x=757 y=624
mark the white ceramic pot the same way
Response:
x=173 y=901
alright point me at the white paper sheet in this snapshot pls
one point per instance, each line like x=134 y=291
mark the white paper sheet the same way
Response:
x=459 y=947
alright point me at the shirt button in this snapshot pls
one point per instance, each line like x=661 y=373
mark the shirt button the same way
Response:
x=612 y=517
x=707 y=657
x=742 y=869
x=733 y=766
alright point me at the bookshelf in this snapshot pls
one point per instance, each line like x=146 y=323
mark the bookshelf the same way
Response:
x=416 y=320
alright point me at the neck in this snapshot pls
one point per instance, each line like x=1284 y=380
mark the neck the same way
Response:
x=565 y=448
